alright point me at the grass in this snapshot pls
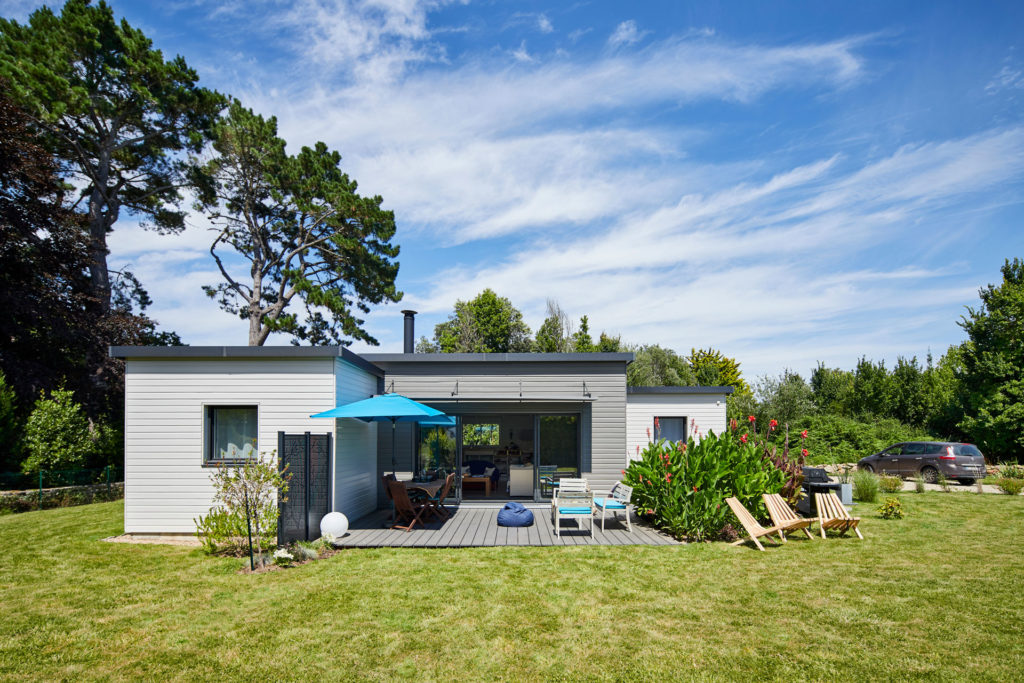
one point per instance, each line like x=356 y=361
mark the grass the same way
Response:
x=936 y=595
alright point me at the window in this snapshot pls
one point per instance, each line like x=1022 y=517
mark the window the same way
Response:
x=231 y=433
x=481 y=434
x=670 y=428
x=914 y=449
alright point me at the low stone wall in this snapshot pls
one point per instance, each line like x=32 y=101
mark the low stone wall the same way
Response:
x=65 y=496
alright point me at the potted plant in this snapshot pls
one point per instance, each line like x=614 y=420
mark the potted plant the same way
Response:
x=845 y=485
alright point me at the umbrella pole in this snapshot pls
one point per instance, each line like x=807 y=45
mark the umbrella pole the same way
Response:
x=393 y=466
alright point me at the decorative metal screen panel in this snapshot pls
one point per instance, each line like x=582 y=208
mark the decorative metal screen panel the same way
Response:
x=307 y=458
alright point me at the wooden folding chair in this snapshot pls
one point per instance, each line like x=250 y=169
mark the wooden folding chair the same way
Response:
x=404 y=508
x=783 y=516
x=751 y=525
x=436 y=502
x=833 y=515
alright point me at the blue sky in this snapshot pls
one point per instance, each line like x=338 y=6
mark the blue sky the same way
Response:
x=787 y=182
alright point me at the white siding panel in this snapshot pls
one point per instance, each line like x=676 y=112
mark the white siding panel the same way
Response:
x=355 y=462
x=166 y=486
x=707 y=411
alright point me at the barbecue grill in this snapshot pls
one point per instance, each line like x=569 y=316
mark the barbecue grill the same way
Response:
x=816 y=480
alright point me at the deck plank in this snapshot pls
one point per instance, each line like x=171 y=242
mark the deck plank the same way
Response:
x=477 y=526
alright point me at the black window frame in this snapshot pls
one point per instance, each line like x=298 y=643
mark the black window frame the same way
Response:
x=655 y=422
x=209 y=426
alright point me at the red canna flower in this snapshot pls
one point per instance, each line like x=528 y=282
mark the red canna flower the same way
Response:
x=803 y=452
x=623 y=471
x=733 y=425
x=650 y=511
x=694 y=488
x=751 y=418
x=803 y=434
x=668 y=477
x=772 y=424
x=743 y=438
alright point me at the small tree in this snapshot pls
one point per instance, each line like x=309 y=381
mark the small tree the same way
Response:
x=251 y=489
x=302 y=228
x=655 y=366
x=58 y=434
x=487 y=324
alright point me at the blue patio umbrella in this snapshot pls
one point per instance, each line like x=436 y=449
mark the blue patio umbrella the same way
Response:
x=393 y=408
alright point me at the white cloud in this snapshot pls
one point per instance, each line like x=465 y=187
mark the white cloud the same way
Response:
x=626 y=33
x=1008 y=78
x=544 y=24
x=520 y=54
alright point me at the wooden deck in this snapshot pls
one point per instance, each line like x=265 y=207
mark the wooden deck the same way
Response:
x=478 y=526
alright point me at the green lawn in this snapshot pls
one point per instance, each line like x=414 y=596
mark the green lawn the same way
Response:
x=936 y=595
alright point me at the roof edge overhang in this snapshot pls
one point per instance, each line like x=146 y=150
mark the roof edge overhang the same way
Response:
x=680 y=390
x=240 y=352
x=505 y=399
x=499 y=357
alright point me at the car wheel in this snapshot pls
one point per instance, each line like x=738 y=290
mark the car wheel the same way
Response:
x=867 y=468
x=930 y=475
x=966 y=482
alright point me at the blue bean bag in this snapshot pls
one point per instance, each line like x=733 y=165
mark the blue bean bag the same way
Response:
x=515 y=514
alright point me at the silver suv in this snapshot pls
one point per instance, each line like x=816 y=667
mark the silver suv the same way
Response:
x=960 y=461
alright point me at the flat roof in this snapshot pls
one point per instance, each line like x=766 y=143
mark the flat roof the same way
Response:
x=245 y=352
x=498 y=357
x=680 y=390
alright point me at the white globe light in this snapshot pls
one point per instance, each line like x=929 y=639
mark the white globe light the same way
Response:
x=335 y=524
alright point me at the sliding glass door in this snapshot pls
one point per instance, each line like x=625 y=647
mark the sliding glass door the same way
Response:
x=437 y=455
x=558 y=450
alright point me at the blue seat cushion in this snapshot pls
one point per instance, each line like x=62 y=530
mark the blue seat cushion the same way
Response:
x=514 y=514
x=609 y=504
x=573 y=511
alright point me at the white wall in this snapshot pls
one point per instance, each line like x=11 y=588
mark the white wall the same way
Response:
x=706 y=410
x=355 y=462
x=166 y=486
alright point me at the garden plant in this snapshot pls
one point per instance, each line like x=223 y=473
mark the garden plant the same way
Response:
x=682 y=487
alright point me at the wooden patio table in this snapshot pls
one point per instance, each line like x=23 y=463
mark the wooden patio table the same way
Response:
x=431 y=487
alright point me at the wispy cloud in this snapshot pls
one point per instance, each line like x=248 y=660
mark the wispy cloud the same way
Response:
x=1008 y=78
x=626 y=33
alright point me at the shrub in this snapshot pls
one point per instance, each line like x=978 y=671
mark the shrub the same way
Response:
x=943 y=482
x=682 y=487
x=865 y=486
x=919 y=484
x=892 y=508
x=305 y=551
x=1011 y=471
x=834 y=438
x=249 y=490
x=282 y=557
x=58 y=434
x=1011 y=486
x=10 y=428
x=890 y=484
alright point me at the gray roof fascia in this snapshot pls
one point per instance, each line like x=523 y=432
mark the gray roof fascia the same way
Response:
x=168 y=352
x=680 y=390
x=499 y=357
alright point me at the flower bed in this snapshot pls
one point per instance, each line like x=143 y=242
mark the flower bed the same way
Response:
x=681 y=487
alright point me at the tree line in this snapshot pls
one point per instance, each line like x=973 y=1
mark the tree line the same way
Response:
x=99 y=126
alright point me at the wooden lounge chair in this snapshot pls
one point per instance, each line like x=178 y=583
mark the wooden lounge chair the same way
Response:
x=832 y=515
x=405 y=511
x=783 y=516
x=750 y=524
x=617 y=500
x=572 y=498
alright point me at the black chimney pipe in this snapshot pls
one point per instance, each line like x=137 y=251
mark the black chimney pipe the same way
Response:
x=410 y=331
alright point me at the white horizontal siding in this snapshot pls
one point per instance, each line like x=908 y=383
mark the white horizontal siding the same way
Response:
x=166 y=486
x=355 y=462
x=707 y=411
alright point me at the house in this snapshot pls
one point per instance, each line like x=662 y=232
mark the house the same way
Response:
x=522 y=420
